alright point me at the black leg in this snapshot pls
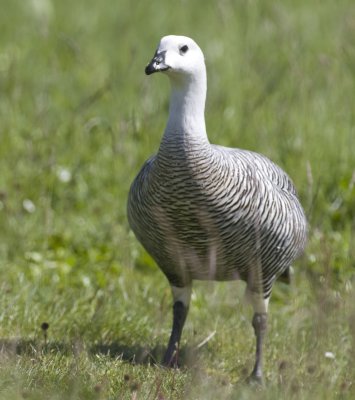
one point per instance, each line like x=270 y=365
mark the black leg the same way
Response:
x=259 y=324
x=179 y=316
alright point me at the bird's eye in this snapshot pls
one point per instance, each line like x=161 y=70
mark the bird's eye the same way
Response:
x=183 y=49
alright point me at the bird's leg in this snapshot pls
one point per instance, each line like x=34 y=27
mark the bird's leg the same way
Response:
x=259 y=323
x=180 y=309
x=179 y=316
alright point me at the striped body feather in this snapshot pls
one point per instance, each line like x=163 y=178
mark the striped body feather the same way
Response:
x=213 y=213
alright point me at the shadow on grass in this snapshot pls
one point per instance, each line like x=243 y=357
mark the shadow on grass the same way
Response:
x=134 y=354
x=138 y=354
x=32 y=347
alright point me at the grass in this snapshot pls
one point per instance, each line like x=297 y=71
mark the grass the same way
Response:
x=78 y=118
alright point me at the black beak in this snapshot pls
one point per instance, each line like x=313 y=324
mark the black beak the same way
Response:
x=157 y=64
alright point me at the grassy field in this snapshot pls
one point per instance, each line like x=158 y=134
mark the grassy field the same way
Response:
x=77 y=119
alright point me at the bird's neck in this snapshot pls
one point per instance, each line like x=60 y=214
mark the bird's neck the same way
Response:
x=186 y=121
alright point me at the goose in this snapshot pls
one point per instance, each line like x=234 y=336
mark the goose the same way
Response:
x=208 y=212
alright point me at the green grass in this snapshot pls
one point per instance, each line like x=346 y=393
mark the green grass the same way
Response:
x=77 y=119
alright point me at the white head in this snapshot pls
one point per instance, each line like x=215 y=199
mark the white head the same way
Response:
x=182 y=60
x=177 y=56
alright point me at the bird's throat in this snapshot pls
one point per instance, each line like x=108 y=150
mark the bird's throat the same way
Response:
x=187 y=109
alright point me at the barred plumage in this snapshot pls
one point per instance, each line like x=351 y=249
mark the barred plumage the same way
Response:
x=209 y=212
